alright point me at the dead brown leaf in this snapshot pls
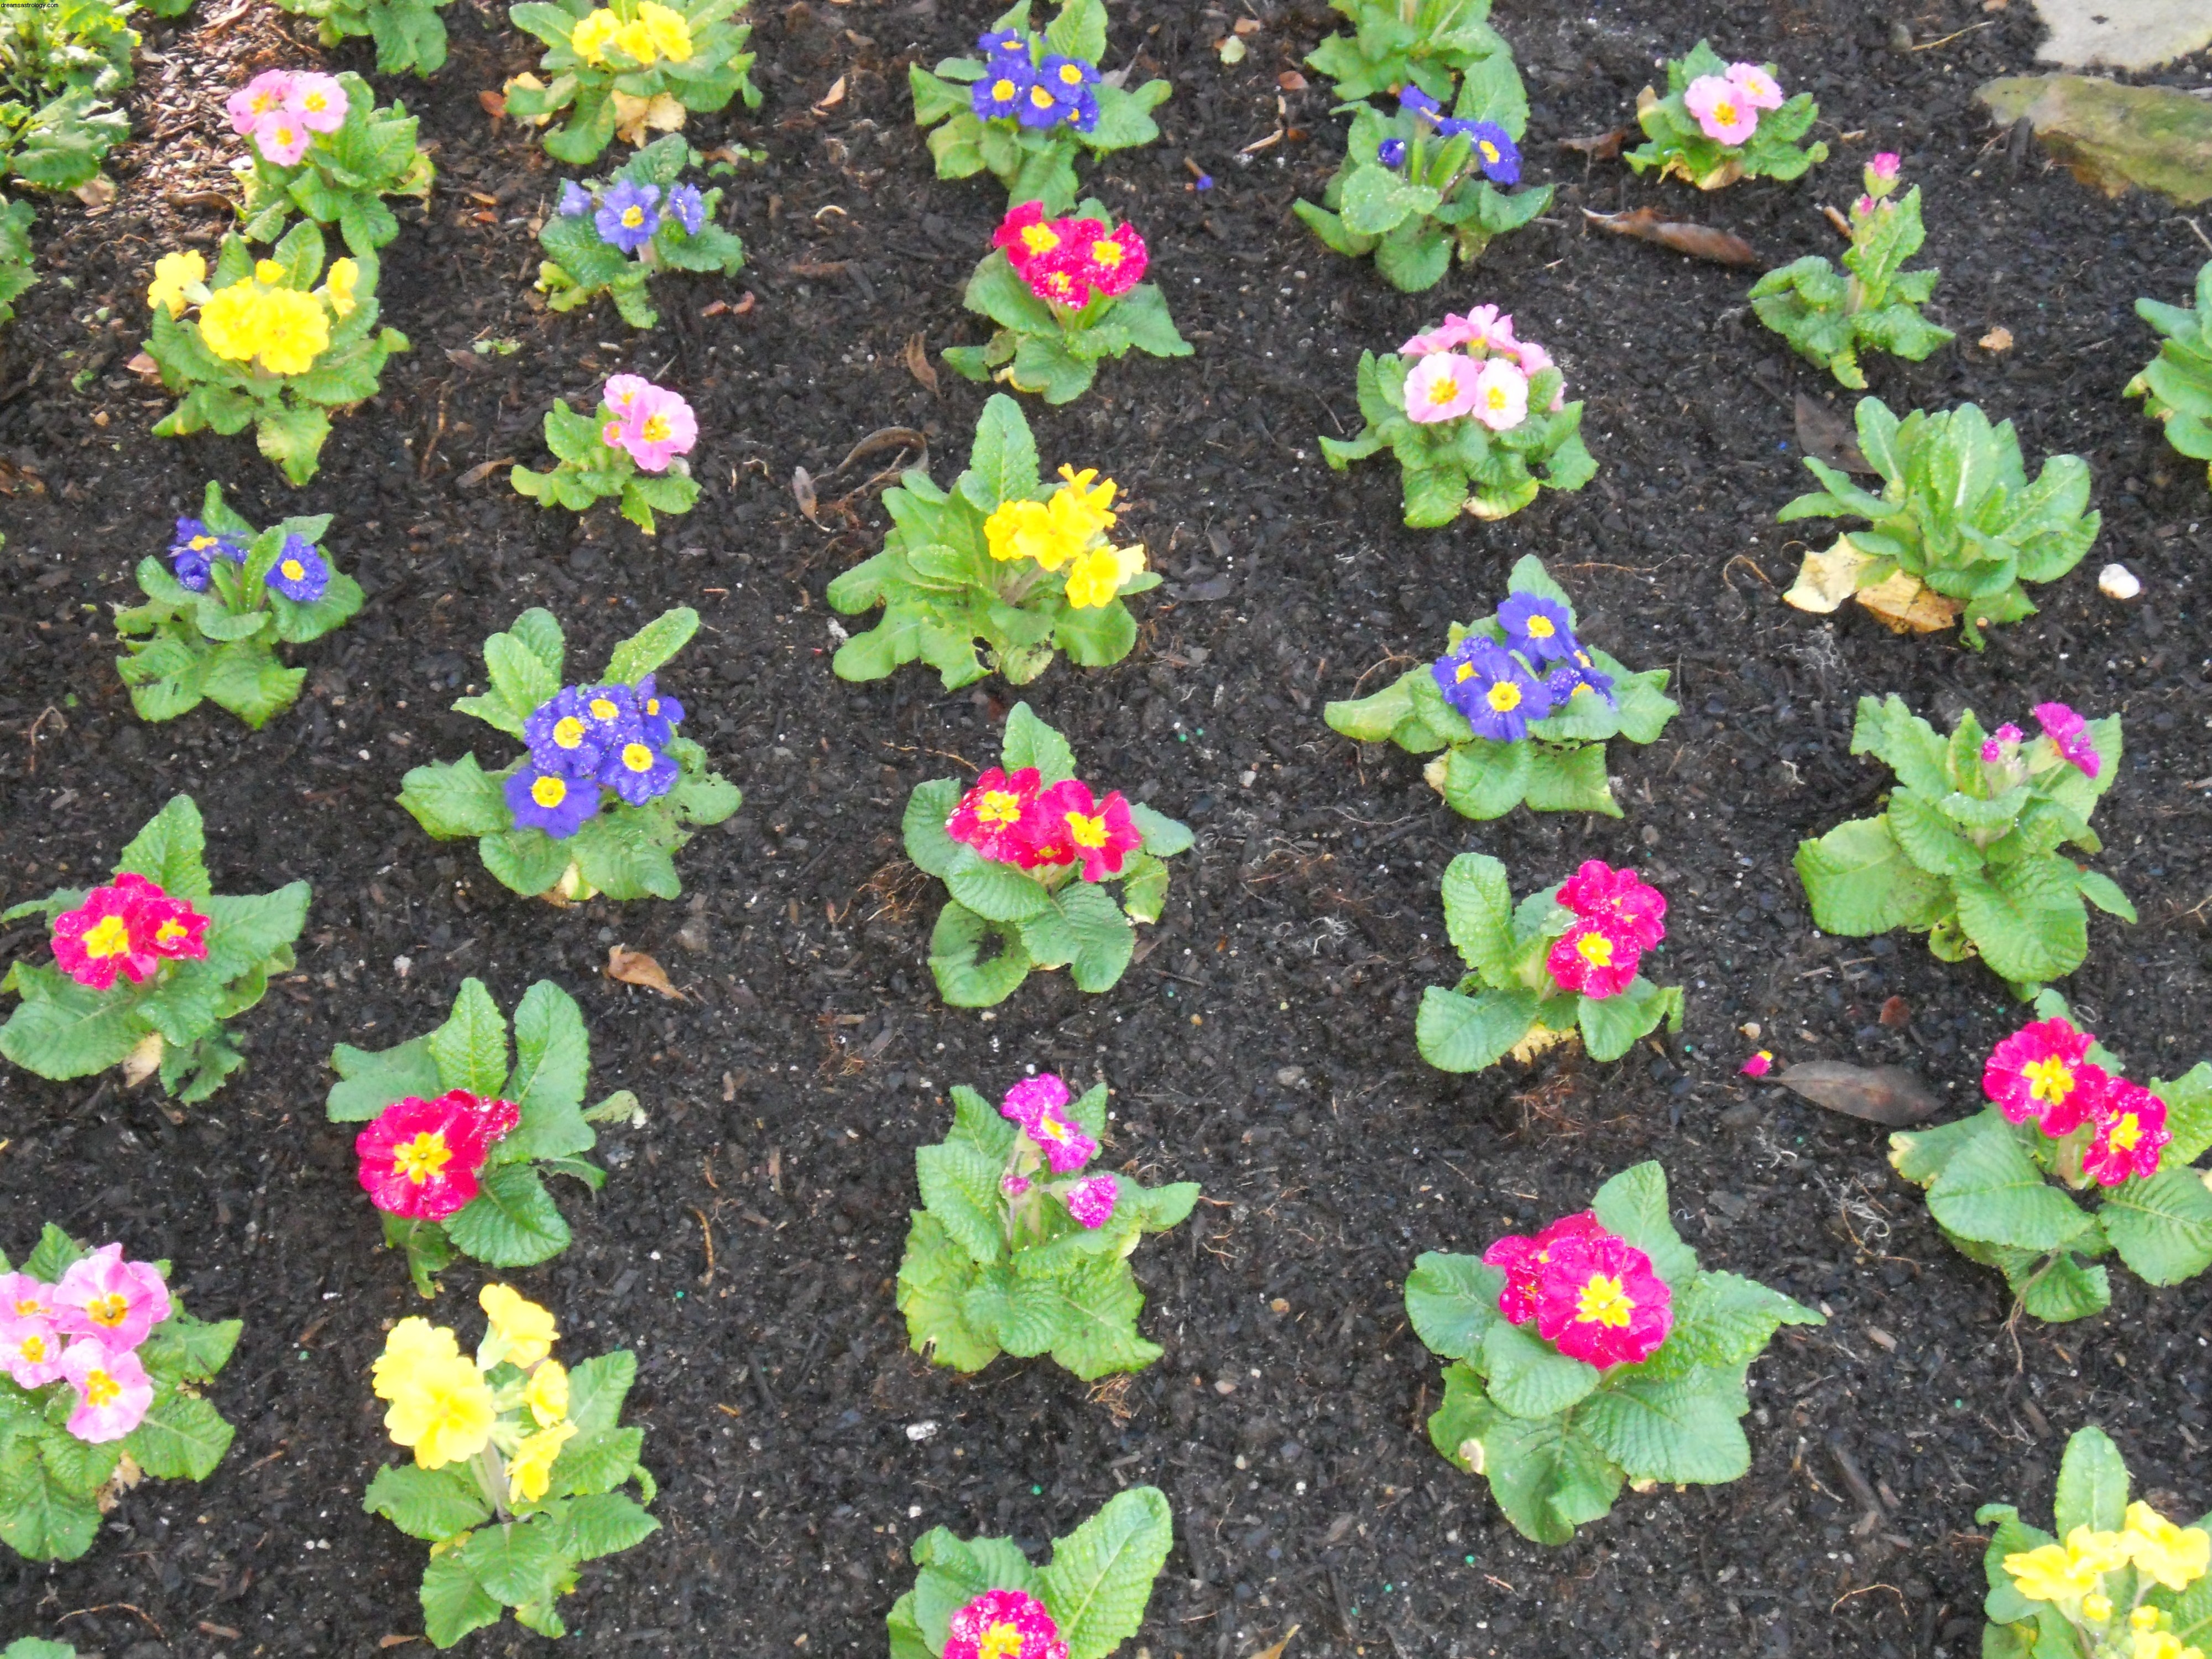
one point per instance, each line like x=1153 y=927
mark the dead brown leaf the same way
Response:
x=832 y=98
x=1291 y=81
x=1678 y=236
x=1906 y=607
x=494 y=103
x=1887 y=1095
x=1828 y=436
x=1599 y=146
x=482 y=470
x=1276 y=1651
x=916 y=358
x=635 y=968
x=1896 y=1011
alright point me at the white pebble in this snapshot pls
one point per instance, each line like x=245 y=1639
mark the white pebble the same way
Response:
x=917 y=1431
x=2117 y=582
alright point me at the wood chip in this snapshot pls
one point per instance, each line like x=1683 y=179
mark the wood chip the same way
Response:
x=1998 y=339
x=1679 y=236
x=832 y=98
x=1291 y=81
x=802 y=488
x=635 y=968
x=1881 y=1338
x=916 y=359
x=1887 y=1095
x=1276 y=1651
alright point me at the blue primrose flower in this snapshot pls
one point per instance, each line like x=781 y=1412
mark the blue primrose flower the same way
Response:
x=1539 y=627
x=1494 y=151
x=575 y=201
x=1003 y=93
x=638 y=772
x=998 y=45
x=1490 y=685
x=1067 y=76
x=658 y=715
x=628 y=218
x=561 y=736
x=546 y=801
x=610 y=712
x=1411 y=97
x=1391 y=152
x=1040 y=108
x=193 y=537
x=1580 y=672
x=300 y=573
x=689 y=208
x=1080 y=111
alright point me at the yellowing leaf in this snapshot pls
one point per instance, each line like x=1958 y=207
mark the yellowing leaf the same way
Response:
x=635 y=968
x=1906 y=607
x=1825 y=580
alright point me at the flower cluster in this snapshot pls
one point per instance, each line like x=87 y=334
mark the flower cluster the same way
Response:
x=1069 y=262
x=588 y=738
x=1018 y=820
x=1491 y=147
x=1473 y=365
x=86 y=1330
x=1036 y=89
x=508 y=1407
x=419 y=1158
x=2071 y=1576
x=1593 y=1296
x=129 y=926
x=1879 y=178
x=261 y=318
x=1542 y=666
x=2042 y=1074
x=1050 y=1136
x=1618 y=917
x=301 y=573
x=1068 y=531
x=628 y=215
x=650 y=423
x=1003 y=1623
x=656 y=32
x=280 y=111
x=1728 y=106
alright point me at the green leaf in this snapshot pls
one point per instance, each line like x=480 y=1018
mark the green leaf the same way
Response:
x=1547 y=1477
x=1164 y=836
x=935 y=1279
x=1029 y=742
x=170 y=851
x=2026 y=919
x=995 y=891
x=1723 y=1321
x=1485 y=780
x=39 y=1518
x=247 y=930
x=526 y=861
x=1569 y=781
x=512 y=1221
x=1990 y=1191
x=1086 y=930
x=1860 y=882
x=1924 y=1154
x=1682 y=1429
x=470 y=1047
x=179 y=1438
x=432 y=1505
x=2188 y=1113
x=519 y=1562
x=2093 y=1484
x=1102 y=1573
x=1634 y=1204
x=517 y=675
x=1003 y=465
x=606 y=1523
x=597 y=1388
x=963 y=978
x=652 y=645
x=54 y=1254
x=553 y=1054
x=1458 y=1033
x=926 y=809
x=1479 y=914
x=1452 y=1301
x=453 y=1603
x=960 y=1189
x=1085 y=1314
x=450 y=801
x=67 y=1030
x=1527 y=1377
x=1611 y=1025
x=2162 y=1226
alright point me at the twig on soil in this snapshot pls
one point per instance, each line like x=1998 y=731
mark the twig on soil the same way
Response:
x=707 y=1233
x=1931 y=45
x=1391 y=661
x=1864 y=1589
x=2199 y=228
x=116 y=1606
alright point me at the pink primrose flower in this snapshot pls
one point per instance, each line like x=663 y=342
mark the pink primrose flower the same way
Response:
x=2070 y=734
x=660 y=426
x=113 y=1390
x=1759 y=1065
x=1596 y=957
x=1598 y=891
x=1522 y=1260
x=1032 y=1095
x=264 y=94
x=1091 y=1202
x=1061 y=1139
x=2130 y=1134
x=318 y=101
x=1012 y=1185
x=1501 y=395
x=110 y=1300
x=23 y=1297
x=1003 y=1623
x=1756 y=88
x=1885 y=164
x=1440 y=387
x=2042 y=1073
x=282 y=138
x=1599 y=1301
x=111 y=932
x=990 y=816
x=1099 y=834
x=30 y=1351
x=1721 y=109
x=419 y=1158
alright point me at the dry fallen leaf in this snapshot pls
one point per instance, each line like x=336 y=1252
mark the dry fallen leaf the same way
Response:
x=1828 y=436
x=1291 y=81
x=1699 y=241
x=634 y=117
x=1888 y=1095
x=482 y=470
x=1906 y=607
x=1599 y=146
x=142 y=1061
x=96 y=191
x=494 y=103
x=635 y=968
x=1540 y=1037
x=1998 y=339
x=1825 y=580
x=1276 y=1651
x=802 y=488
x=916 y=358
x=832 y=98
x=1896 y=1011
x=1232 y=50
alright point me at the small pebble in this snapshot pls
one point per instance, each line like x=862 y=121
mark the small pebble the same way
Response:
x=2117 y=582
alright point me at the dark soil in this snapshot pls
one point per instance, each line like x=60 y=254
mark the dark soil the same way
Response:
x=1263 y=1045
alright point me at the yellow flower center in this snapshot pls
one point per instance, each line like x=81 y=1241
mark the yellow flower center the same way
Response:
x=1000 y=1641
x=1444 y=389
x=652 y=706
x=1497 y=397
x=1106 y=253
x=1489 y=151
x=656 y=429
x=110 y=1310
x=170 y=932
x=1504 y=697
x=1089 y=832
x=35 y=1349
x=1070 y=75
x=1003 y=91
x=293 y=570
x=1596 y=949
x=264 y=101
x=285 y=137
x=2048 y=1080
x=1039 y=239
x=998 y=808
x=316 y=102
x=602 y=709
x=30 y=1307
x=637 y=757
x=424 y=1157
x=568 y=732
x=108 y=937
x=1051 y=1128
x=2125 y=1134
x=549 y=792
x=1724 y=113
x=1602 y=1302
x=201 y=544
x=632 y=217
x=1540 y=628
x=100 y=1388
x=1041 y=96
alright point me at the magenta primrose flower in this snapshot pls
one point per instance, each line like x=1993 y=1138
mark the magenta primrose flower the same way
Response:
x=2042 y=1074
x=2130 y=1134
x=113 y=1301
x=113 y=1390
x=1003 y=1623
x=1033 y=1095
x=1091 y=1202
x=2069 y=733
x=1039 y=1104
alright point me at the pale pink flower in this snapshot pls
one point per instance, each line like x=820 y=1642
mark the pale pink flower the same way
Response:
x=30 y=1349
x=23 y=1297
x=109 y=1299
x=622 y=392
x=1440 y=388
x=113 y=1390
x=1501 y=396
x=282 y=138
x=263 y=96
x=1533 y=359
x=1759 y=89
x=319 y=102
x=659 y=428
x=1721 y=110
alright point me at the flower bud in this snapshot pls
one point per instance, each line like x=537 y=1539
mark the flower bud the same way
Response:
x=1882 y=173
x=2097 y=1608
x=1391 y=152
x=2145 y=1619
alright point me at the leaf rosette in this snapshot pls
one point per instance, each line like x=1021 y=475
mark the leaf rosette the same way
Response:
x=1429 y=43
x=2176 y=385
x=340 y=177
x=615 y=234
x=408 y=35
x=627 y=68
x=1753 y=134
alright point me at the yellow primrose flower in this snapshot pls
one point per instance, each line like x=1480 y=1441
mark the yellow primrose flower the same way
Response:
x=1076 y=503
x=1097 y=576
x=230 y=322
x=2096 y=1552
x=172 y=274
x=530 y=1471
x=547 y=1394
x=591 y=38
x=2145 y=1619
x=668 y=30
x=2050 y=1573
x=294 y=331
x=521 y=1332
x=1024 y=530
x=268 y=273
x=2096 y=1607
x=443 y=1409
x=412 y=1342
x=635 y=41
x=2177 y=1557
x=2162 y=1645
x=338 y=286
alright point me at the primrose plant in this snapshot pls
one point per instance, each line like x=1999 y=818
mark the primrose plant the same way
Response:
x=1965 y=850
x=1027 y=855
x=215 y=615
x=1064 y=292
x=1031 y=104
x=2176 y=385
x=2112 y=1580
x=2062 y=1113
x=188 y=960
x=1562 y=961
x=1721 y=122
x=980 y=1599
x=611 y=236
x=1957 y=529
x=631 y=450
x=318 y=144
x=1595 y=1353
x=1418 y=185
x=15 y=273
x=629 y=68
x=100 y=1376
x=1017 y=1249
x=409 y=34
x=999 y=558
x=1829 y=317
x=519 y=1465
x=458 y=1143
x=269 y=349
x=1427 y=42
x=1520 y=706
x=59 y=66
x=1473 y=416
x=606 y=790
